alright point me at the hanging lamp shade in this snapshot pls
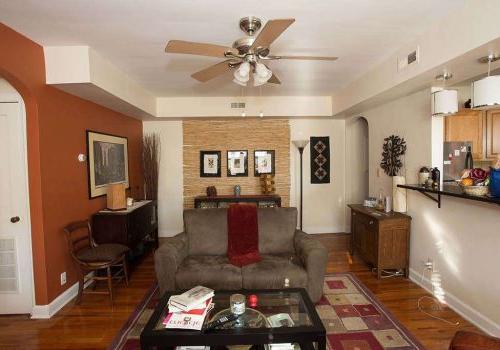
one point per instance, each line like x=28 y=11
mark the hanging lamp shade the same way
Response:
x=486 y=92
x=444 y=102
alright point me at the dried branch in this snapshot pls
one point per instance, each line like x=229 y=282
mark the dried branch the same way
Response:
x=150 y=164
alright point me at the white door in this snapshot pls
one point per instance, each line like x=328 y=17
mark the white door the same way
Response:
x=16 y=273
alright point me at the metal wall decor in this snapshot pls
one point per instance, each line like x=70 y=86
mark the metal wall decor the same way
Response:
x=394 y=147
x=320 y=160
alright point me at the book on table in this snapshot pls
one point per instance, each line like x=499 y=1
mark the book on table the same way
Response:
x=189 y=310
x=192 y=298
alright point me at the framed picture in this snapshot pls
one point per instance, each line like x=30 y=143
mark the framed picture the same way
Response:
x=237 y=163
x=210 y=162
x=263 y=162
x=107 y=162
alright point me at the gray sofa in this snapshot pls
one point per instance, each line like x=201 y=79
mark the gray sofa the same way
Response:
x=197 y=256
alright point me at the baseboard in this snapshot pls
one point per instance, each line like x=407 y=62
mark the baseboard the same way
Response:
x=49 y=310
x=460 y=307
x=315 y=230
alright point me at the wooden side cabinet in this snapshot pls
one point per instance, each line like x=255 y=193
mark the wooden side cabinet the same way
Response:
x=467 y=125
x=381 y=239
x=128 y=227
x=492 y=134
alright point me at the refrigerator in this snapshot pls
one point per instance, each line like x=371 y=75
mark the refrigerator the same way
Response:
x=454 y=159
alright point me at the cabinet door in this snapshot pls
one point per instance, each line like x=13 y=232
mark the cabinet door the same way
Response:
x=466 y=125
x=493 y=134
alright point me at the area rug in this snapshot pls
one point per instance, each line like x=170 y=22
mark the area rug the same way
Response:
x=353 y=317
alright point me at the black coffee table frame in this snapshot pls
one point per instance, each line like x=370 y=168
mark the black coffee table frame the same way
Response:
x=305 y=336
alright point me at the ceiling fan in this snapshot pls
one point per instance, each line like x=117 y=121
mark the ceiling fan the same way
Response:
x=246 y=54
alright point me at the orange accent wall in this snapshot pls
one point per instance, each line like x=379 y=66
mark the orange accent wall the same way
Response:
x=56 y=125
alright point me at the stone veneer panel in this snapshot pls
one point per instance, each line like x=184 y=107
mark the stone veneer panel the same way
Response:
x=244 y=134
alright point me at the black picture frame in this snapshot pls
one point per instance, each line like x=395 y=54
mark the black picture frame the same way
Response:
x=206 y=172
x=245 y=162
x=96 y=189
x=257 y=154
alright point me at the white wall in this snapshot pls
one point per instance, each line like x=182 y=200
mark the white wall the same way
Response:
x=462 y=238
x=357 y=163
x=324 y=204
x=170 y=181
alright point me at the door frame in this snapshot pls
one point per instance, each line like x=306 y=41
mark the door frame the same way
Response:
x=16 y=97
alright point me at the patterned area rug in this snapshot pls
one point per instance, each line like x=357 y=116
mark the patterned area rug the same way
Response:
x=354 y=319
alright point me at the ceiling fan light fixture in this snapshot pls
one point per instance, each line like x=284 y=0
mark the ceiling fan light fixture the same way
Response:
x=262 y=71
x=239 y=82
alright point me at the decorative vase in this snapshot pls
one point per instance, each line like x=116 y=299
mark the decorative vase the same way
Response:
x=237 y=190
x=398 y=194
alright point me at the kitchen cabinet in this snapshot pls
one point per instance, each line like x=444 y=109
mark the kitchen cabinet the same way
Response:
x=468 y=125
x=492 y=134
x=381 y=239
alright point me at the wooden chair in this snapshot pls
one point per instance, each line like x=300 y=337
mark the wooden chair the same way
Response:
x=91 y=257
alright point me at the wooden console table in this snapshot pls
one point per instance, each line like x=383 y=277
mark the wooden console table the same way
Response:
x=128 y=227
x=382 y=239
x=223 y=201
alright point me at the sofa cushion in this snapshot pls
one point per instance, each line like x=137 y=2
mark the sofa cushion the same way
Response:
x=206 y=230
x=276 y=230
x=212 y=271
x=271 y=272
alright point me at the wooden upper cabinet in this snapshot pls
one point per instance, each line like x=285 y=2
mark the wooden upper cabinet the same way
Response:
x=468 y=125
x=493 y=134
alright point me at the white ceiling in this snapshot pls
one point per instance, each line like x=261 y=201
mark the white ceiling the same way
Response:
x=132 y=35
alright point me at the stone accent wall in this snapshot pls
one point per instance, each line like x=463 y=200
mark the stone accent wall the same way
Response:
x=242 y=134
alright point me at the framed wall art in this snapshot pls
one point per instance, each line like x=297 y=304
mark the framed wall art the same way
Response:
x=210 y=163
x=263 y=162
x=107 y=163
x=237 y=163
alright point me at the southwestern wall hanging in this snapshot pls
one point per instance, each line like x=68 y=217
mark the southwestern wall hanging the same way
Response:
x=320 y=160
x=107 y=162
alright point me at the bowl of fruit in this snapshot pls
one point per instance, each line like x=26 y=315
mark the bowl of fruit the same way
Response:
x=475 y=182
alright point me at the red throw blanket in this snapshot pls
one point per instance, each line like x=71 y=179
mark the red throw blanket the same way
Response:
x=243 y=235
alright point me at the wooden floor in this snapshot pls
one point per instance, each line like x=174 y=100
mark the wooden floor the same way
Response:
x=93 y=324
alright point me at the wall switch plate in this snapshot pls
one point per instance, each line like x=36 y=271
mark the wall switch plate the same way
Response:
x=63 y=278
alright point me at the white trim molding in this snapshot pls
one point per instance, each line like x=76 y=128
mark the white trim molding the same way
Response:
x=49 y=310
x=470 y=314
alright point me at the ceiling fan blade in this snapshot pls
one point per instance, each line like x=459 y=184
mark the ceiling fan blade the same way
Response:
x=316 y=58
x=271 y=31
x=212 y=71
x=191 y=48
x=274 y=79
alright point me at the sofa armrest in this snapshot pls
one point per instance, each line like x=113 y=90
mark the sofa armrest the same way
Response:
x=314 y=257
x=168 y=257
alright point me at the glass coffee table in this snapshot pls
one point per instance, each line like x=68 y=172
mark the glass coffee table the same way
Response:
x=252 y=328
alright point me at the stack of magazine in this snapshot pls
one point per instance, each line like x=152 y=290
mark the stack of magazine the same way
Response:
x=188 y=310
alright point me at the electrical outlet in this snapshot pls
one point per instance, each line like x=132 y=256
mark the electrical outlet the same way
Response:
x=429 y=264
x=63 y=278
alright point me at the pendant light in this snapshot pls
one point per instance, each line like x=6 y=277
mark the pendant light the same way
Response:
x=444 y=102
x=486 y=92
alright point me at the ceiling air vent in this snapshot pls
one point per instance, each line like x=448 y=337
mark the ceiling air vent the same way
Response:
x=409 y=59
x=238 y=105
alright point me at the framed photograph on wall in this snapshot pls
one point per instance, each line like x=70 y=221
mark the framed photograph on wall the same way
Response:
x=263 y=162
x=210 y=163
x=237 y=163
x=107 y=162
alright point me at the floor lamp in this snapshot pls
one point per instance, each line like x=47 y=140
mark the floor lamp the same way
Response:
x=301 y=144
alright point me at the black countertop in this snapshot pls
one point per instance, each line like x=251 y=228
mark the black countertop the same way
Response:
x=451 y=190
